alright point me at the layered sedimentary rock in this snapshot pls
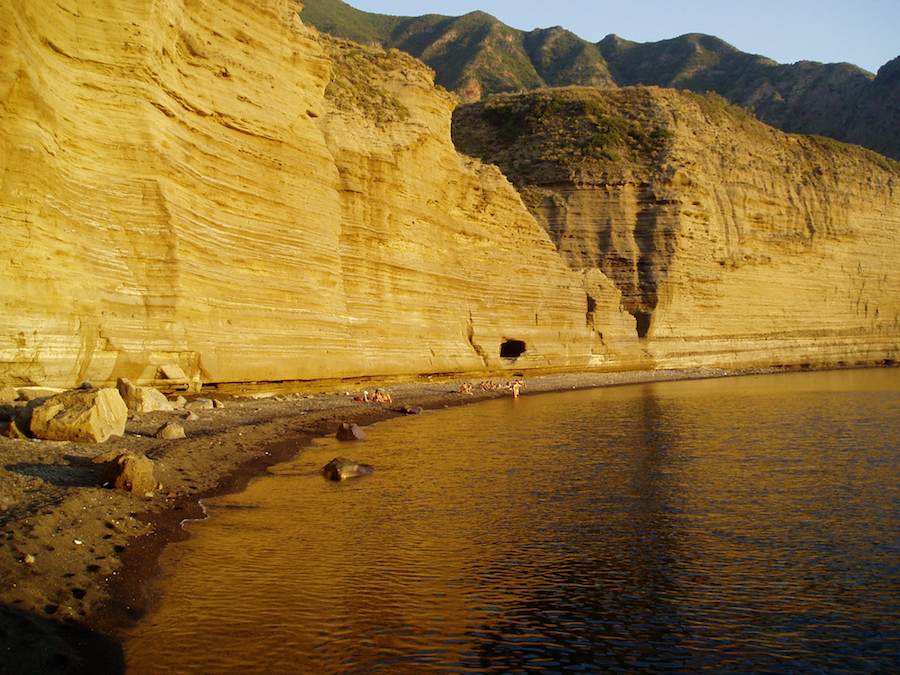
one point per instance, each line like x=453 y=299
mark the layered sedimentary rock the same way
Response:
x=730 y=242
x=210 y=184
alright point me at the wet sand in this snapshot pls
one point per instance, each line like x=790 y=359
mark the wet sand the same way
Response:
x=78 y=560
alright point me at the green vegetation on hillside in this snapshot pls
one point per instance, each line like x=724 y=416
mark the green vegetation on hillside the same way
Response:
x=341 y=20
x=476 y=55
x=544 y=135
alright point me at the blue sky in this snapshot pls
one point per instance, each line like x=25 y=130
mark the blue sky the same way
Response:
x=864 y=32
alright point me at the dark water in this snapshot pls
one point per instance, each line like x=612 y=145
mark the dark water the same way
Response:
x=735 y=525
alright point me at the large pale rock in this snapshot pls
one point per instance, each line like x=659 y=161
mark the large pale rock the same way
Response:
x=80 y=416
x=8 y=395
x=142 y=399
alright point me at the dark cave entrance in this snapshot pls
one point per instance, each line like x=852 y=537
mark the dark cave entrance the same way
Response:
x=512 y=349
x=643 y=323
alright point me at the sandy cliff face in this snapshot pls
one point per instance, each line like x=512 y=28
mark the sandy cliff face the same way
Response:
x=731 y=243
x=209 y=183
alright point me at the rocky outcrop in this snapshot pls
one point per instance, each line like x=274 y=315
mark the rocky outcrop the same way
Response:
x=214 y=186
x=80 y=416
x=727 y=242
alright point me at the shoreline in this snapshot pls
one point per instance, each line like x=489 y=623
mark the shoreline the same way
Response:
x=78 y=617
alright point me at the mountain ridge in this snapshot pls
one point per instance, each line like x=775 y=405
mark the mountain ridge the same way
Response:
x=476 y=54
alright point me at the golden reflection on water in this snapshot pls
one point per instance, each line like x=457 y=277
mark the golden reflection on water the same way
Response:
x=747 y=523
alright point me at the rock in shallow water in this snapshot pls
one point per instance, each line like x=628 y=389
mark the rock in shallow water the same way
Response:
x=340 y=469
x=350 y=432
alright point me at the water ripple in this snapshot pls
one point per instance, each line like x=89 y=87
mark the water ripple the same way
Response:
x=739 y=525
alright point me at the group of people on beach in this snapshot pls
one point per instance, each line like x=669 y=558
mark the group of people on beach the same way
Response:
x=515 y=386
x=378 y=396
x=466 y=388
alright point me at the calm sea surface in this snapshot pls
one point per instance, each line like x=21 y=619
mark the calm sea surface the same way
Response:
x=742 y=524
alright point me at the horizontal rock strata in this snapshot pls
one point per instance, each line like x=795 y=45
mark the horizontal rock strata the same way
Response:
x=210 y=185
x=731 y=243
x=209 y=190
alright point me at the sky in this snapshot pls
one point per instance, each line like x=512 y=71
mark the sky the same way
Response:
x=864 y=32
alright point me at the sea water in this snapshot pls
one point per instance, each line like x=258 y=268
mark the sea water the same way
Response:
x=739 y=524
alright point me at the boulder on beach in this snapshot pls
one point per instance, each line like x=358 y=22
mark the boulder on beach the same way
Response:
x=413 y=410
x=200 y=404
x=80 y=416
x=142 y=399
x=341 y=468
x=170 y=431
x=8 y=395
x=350 y=432
x=128 y=471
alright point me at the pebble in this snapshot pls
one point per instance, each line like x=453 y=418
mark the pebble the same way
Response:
x=28 y=559
x=78 y=542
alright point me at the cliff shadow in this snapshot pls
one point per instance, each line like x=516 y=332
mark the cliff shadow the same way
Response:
x=30 y=643
x=76 y=472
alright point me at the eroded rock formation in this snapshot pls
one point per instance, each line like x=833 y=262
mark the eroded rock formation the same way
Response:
x=729 y=241
x=209 y=184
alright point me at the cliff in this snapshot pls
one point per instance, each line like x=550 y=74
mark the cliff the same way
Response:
x=476 y=55
x=729 y=241
x=209 y=183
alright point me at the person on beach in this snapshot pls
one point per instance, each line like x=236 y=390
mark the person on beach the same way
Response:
x=381 y=396
x=516 y=386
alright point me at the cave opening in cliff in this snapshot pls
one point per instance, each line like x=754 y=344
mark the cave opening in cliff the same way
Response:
x=512 y=349
x=643 y=323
